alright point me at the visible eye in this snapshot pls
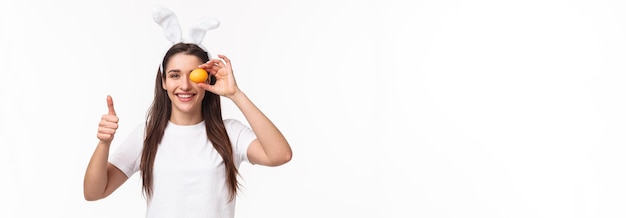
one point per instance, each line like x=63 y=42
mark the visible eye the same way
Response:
x=174 y=75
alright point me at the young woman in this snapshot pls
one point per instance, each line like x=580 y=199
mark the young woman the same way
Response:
x=187 y=155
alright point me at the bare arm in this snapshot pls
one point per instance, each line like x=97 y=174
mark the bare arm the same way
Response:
x=270 y=148
x=101 y=177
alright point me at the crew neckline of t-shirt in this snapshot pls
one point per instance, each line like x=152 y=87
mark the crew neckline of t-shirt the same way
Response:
x=172 y=127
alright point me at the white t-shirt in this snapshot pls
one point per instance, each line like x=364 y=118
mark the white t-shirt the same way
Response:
x=188 y=173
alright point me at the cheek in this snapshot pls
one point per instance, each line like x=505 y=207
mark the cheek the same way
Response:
x=169 y=90
x=201 y=94
x=169 y=85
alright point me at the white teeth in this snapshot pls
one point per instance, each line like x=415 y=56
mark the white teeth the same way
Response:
x=185 y=95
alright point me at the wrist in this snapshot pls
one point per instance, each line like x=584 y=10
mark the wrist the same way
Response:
x=236 y=95
x=104 y=143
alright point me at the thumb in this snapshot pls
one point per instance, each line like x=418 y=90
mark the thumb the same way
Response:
x=208 y=87
x=110 y=105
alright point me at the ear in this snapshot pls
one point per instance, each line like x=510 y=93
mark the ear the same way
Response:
x=169 y=22
x=163 y=84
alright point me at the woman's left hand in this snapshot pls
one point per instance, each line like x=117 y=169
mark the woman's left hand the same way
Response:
x=225 y=84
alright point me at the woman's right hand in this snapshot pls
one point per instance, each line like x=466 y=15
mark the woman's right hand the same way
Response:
x=108 y=123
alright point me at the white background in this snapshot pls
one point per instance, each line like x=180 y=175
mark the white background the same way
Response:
x=393 y=109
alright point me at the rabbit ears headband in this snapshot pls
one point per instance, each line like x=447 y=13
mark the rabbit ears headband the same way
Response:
x=172 y=29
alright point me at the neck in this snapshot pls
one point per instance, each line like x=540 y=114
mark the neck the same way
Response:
x=186 y=118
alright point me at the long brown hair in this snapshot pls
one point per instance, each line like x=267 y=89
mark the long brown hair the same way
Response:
x=159 y=114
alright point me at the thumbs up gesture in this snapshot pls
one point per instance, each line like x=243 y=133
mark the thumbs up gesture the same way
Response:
x=108 y=123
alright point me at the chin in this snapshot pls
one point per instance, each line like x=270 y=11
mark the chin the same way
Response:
x=187 y=108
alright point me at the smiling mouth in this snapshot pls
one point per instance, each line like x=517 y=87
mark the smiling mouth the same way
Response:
x=185 y=96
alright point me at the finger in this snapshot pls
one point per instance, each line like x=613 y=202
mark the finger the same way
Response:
x=105 y=137
x=220 y=63
x=213 y=68
x=110 y=118
x=103 y=130
x=204 y=65
x=210 y=66
x=110 y=105
x=210 y=63
x=207 y=87
x=107 y=124
x=226 y=59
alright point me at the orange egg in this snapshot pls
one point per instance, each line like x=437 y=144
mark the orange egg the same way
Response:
x=198 y=75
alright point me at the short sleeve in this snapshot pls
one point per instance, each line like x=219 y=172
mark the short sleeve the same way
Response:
x=240 y=137
x=127 y=156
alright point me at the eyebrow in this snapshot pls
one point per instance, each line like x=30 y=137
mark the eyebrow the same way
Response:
x=173 y=71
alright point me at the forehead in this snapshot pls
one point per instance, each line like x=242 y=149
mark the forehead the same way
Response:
x=183 y=61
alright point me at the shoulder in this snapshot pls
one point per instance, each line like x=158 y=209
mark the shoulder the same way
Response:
x=137 y=132
x=236 y=127
x=233 y=123
x=139 y=128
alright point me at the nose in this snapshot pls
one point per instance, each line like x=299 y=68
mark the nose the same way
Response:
x=186 y=83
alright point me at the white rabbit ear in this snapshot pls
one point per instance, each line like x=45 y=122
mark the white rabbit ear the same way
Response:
x=199 y=28
x=169 y=22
